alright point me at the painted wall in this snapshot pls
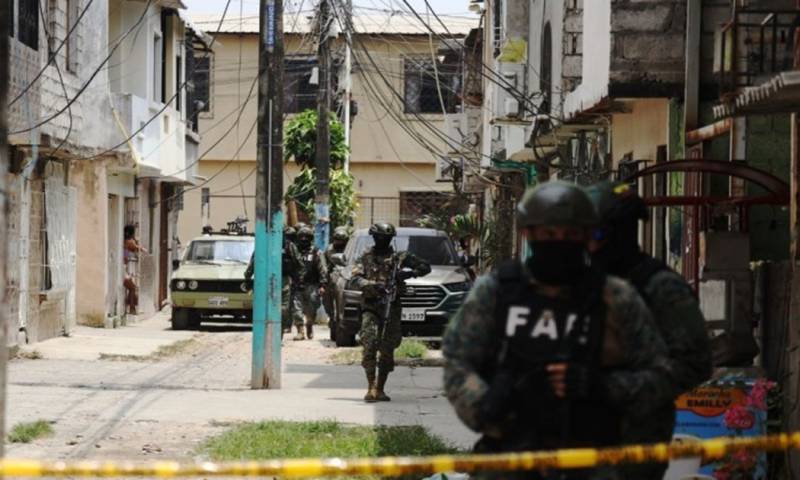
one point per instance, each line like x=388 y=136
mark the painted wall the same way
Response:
x=376 y=136
x=641 y=131
x=540 y=14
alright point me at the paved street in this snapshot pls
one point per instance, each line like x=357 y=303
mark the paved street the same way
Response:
x=147 y=408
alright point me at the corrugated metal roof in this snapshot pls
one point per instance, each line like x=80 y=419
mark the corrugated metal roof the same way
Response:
x=389 y=23
x=780 y=94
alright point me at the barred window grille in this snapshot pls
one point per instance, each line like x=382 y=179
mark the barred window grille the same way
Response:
x=28 y=23
x=298 y=92
x=201 y=77
x=421 y=93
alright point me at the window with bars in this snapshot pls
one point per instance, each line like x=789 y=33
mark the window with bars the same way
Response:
x=28 y=23
x=201 y=78
x=422 y=91
x=298 y=92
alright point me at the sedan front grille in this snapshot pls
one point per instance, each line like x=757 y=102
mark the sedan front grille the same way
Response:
x=215 y=286
x=418 y=296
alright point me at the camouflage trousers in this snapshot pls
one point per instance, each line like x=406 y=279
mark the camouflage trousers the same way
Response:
x=286 y=306
x=379 y=339
x=309 y=302
x=327 y=300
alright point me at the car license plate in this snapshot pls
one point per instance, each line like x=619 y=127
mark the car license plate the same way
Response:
x=413 y=315
x=218 y=301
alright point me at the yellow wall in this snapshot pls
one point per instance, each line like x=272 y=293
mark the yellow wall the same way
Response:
x=376 y=136
x=641 y=131
x=385 y=159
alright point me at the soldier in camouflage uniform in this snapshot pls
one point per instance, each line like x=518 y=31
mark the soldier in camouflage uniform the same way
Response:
x=310 y=286
x=670 y=299
x=545 y=354
x=380 y=336
x=291 y=272
x=338 y=242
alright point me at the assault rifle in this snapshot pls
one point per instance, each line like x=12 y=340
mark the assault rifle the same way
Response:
x=390 y=291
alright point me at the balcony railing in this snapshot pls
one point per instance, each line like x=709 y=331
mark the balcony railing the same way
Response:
x=754 y=45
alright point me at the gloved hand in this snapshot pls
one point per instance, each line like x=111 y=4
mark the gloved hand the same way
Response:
x=574 y=380
x=405 y=274
x=497 y=399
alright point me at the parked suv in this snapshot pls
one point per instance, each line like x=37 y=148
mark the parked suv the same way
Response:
x=427 y=302
x=209 y=281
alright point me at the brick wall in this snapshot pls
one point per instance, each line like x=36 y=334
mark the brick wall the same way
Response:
x=572 y=47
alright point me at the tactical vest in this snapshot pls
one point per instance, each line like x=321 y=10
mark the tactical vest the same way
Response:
x=640 y=275
x=537 y=330
x=309 y=259
x=287 y=268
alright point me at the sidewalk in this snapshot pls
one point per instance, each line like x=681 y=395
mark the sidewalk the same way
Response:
x=142 y=339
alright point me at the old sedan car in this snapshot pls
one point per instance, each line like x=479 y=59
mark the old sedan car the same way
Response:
x=427 y=302
x=209 y=283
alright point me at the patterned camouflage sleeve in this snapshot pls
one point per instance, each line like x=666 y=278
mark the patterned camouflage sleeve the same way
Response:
x=296 y=262
x=418 y=265
x=469 y=348
x=683 y=327
x=358 y=278
x=322 y=268
x=646 y=381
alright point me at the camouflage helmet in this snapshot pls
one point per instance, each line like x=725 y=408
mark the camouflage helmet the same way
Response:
x=305 y=232
x=289 y=231
x=340 y=233
x=556 y=203
x=383 y=228
x=300 y=225
x=617 y=202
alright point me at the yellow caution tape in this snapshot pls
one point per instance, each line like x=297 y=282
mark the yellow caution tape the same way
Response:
x=713 y=449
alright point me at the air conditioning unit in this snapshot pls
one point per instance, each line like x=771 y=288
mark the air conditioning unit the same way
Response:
x=447 y=167
x=507 y=90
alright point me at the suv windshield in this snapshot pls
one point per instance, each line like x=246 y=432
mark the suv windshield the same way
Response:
x=434 y=250
x=220 y=250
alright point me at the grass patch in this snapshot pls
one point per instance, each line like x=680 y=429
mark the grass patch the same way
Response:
x=29 y=431
x=164 y=351
x=408 y=350
x=327 y=438
x=411 y=349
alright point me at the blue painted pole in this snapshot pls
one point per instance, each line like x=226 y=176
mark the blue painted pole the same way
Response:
x=266 y=357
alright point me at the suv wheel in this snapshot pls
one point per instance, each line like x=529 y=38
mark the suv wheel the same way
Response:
x=345 y=339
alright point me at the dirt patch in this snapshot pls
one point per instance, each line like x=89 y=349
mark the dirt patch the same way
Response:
x=166 y=351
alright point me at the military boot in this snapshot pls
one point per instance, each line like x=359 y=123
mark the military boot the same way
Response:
x=380 y=393
x=300 y=334
x=372 y=393
x=310 y=330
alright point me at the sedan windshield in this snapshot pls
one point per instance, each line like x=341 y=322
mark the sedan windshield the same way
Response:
x=434 y=250
x=220 y=250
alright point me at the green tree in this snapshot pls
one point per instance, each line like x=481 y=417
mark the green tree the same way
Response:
x=300 y=140
x=300 y=145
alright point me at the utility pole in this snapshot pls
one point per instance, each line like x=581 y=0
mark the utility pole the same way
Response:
x=348 y=79
x=5 y=13
x=323 y=160
x=267 y=330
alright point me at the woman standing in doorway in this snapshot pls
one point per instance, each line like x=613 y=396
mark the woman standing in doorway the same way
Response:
x=131 y=251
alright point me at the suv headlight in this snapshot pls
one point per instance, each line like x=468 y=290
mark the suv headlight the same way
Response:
x=458 y=286
x=193 y=285
x=244 y=287
x=180 y=285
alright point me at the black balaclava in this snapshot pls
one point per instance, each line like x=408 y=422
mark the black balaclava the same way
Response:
x=338 y=246
x=304 y=242
x=558 y=262
x=621 y=251
x=382 y=243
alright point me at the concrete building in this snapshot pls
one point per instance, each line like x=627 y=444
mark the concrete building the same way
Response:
x=392 y=88
x=73 y=175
